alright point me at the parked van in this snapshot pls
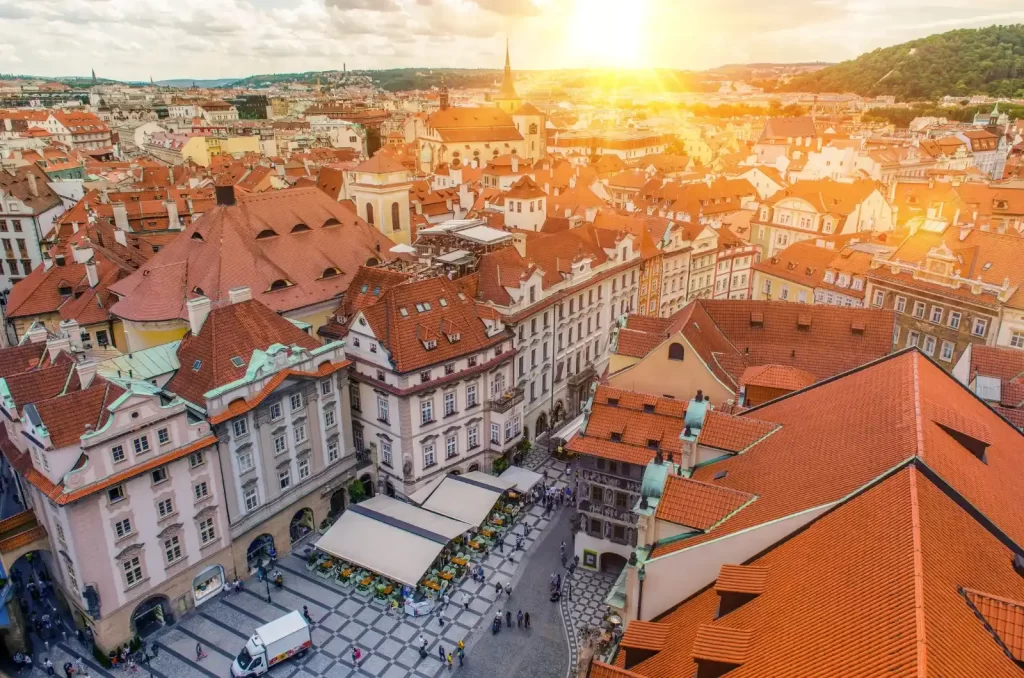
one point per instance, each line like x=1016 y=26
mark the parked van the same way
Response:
x=271 y=644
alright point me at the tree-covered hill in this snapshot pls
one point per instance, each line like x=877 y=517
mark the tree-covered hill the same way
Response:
x=958 y=63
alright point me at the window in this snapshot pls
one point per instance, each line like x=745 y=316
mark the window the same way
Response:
x=954 y=319
x=329 y=418
x=284 y=478
x=426 y=411
x=201 y=490
x=245 y=462
x=473 y=436
x=918 y=309
x=132 y=571
x=299 y=433
x=936 y=315
x=326 y=387
x=979 y=327
x=424 y=376
x=929 y=344
x=117 y=452
x=912 y=339
x=295 y=401
x=196 y=459
x=141 y=444
x=303 y=469
x=172 y=549
x=451 y=447
x=471 y=395
x=123 y=528
x=353 y=394
x=449 y=403
x=206 y=530
x=784 y=295
x=159 y=475
x=509 y=431
x=385 y=452
x=280 y=445
x=768 y=287
x=879 y=297
x=901 y=304
x=449 y=368
x=240 y=427
x=382 y=409
x=115 y=494
x=165 y=508
x=495 y=434
x=1017 y=340
x=429 y=458
x=471 y=361
x=947 y=351
x=333 y=451
x=164 y=436
x=275 y=411
x=251 y=500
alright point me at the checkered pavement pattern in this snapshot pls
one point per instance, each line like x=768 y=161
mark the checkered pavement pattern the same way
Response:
x=586 y=607
x=343 y=619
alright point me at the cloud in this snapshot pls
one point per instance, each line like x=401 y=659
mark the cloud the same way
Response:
x=372 y=5
x=512 y=8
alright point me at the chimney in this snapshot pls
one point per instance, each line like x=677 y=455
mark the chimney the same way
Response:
x=121 y=238
x=591 y=214
x=55 y=345
x=225 y=195
x=33 y=188
x=36 y=333
x=47 y=261
x=92 y=273
x=515 y=164
x=172 y=214
x=71 y=329
x=121 y=216
x=59 y=258
x=198 y=309
x=239 y=294
x=86 y=372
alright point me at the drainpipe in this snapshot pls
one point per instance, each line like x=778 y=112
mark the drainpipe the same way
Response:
x=641 y=574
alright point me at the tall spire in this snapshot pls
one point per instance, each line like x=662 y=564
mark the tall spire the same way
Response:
x=508 y=62
x=508 y=87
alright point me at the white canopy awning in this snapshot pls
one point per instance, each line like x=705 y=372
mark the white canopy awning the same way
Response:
x=570 y=429
x=468 y=498
x=524 y=479
x=389 y=537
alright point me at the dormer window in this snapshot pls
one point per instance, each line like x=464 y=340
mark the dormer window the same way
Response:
x=330 y=272
x=452 y=338
x=280 y=284
x=299 y=228
x=265 y=233
x=648 y=408
x=429 y=344
x=616 y=437
x=830 y=277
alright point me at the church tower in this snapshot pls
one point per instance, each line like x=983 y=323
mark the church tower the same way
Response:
x=507 y=99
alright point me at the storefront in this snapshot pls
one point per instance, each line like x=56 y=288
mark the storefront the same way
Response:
x=208 y=583
x=260 y=552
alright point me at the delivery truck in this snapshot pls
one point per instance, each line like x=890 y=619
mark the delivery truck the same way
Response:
x=271 y=644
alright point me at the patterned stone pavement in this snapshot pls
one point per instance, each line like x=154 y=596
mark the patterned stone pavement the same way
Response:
x=343 y=619
x=583 y=604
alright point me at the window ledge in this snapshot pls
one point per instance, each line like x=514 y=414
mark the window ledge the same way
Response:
x=138 y=583
x=118 y=540
x=426 y=466
x=471 y=406
x=451 y=414
x=203 y=547
x=384 y=421
x=202 y=499
x=167 y=517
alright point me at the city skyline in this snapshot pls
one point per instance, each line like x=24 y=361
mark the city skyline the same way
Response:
x=238 y=38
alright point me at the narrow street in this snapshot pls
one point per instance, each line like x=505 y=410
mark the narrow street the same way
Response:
x=541 y=652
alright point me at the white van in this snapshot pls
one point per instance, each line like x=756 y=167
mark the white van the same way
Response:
x=272 y=643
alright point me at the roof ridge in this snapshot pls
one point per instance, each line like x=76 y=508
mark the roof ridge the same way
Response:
x=921 y=642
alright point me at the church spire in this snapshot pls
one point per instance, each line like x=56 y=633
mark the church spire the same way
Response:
x=508 y=62
x=508 y=87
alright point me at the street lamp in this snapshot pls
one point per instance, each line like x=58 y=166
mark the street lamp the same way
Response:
x=267 y=582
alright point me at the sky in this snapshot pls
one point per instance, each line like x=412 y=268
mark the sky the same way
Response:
x=139 y=39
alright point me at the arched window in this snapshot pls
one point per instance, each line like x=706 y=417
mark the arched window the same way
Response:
x=533 y=128
x=299 y=228
x=265 y=233
x=396 y=219
x=369 y=214
x=675 y=351
x=331 y=222
x=279 y=284
x=331 y=272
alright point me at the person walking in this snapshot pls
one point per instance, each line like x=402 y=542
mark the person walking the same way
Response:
x=80 y=667
x=440 y=652
x=69 y=670
x=497 y=588
x=305 y=613
x=449 y=661
x=199 y=652
x=508 y=618
x=519 y=620
x=357 y=654
x=508 y=589
x=462 y=656
x=445 y=600
x=558 y=582
x=465 y=598
x=48 y=665
x=501 y=545
x=526 y=620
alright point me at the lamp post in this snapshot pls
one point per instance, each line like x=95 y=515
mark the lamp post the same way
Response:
x=266 y=580
x=641 y=574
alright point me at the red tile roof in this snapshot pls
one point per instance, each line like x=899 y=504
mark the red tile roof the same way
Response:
x=252 y=244
x=643 y=635
x=630 y=427
x=722 y=644
x=230 y=331
x=451 y=312
x=1004 y=617
x=21 y=358
x=732 y=433
x=382 y=162
x=742 y=579
x=243 y=405
x=67 y=416
x=37 y=385
x=777 y=376
x=696 y=504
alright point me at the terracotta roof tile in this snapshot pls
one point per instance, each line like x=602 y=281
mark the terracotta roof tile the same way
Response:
x=742 y=579
x=37 y=385
x=722 y=644
x=630 y=427
x=67 y=416
x=1004 y=617
x=733 y=433
x=21 y=358
x=230 y=331
x=601 y=670
x=696 y=504
x=243 y=405
x=777 y=376
x=643 y=635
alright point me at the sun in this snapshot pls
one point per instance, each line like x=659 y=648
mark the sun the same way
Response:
x=609 y=33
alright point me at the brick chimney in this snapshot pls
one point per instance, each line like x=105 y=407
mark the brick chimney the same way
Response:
x=239 y=294
x=198 y=310
x=33 y=187
x=121 y=216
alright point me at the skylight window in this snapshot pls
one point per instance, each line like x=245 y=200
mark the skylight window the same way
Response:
x=648 y=408
x=426 y=305
x=988 y=265
x=237 y=361
x=442 y=301
x=404 y=311
x=196 y=365
x=376 y=291
x=363 y=289
x=721 y=474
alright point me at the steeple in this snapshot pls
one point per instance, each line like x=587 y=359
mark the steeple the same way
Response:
x=507 y=98
x=508 y=62
x=94 y=76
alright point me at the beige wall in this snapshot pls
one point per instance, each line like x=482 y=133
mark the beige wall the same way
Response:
x=680 y=379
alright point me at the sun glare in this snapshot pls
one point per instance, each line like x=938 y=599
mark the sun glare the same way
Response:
x=609 y=33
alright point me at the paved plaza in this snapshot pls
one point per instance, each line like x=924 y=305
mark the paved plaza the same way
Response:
x=344 y=619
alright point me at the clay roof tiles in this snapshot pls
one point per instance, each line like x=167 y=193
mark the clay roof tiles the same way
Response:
x=631 y=427
x=696 y=504
x=732 y=433
x=742 y=579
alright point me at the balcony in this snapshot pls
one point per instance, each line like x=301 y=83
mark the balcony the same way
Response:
x=363 y=459
x=586 y=375
x=507 y=400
